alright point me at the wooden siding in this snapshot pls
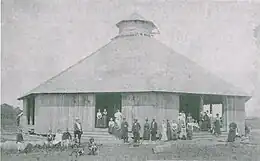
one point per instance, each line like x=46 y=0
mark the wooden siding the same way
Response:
x=235 y=108
x=239 y=112
x=151 y=105
x=25 y=107
x=225 y=114
x=58 y=111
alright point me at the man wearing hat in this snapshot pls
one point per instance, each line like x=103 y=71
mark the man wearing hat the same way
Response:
x=124 y=128
x=146 y=134
x=136 y=130
x=77 y=129
x=153 y=130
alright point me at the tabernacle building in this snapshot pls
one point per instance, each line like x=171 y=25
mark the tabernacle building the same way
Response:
x=136 y=74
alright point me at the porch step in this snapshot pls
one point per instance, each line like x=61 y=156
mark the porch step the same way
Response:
x=101 y=140
x=101 y=136
x=207 y=135
x=9 y=129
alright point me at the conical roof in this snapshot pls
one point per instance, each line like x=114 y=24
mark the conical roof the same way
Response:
x=136 y=64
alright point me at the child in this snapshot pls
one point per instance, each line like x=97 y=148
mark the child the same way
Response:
x=50 y=138
x=196 y=126
x=19 y=140
x=111 y=125
x=189 y=131
x=232 y=132
x=92 y=147
x=174 y=130
x=183 y=132
x=66 y=138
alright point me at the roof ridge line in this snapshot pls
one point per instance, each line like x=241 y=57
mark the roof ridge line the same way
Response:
x=65 y=70
x=206 y=70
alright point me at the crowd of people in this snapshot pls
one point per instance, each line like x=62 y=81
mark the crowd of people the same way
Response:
x=182 y=128
x=62 y=139
x=102 y=119
x=210 y=123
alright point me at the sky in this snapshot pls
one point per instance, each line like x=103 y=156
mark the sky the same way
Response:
x=42 y=38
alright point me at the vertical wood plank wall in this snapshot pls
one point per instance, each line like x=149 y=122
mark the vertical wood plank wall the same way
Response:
x=151 y=105
x=58 y=111
x=24 y=122
x=224 y=114
x=239 y=113
x=235 y=107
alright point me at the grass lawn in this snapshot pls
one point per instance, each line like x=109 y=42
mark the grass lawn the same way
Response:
x=202 y=150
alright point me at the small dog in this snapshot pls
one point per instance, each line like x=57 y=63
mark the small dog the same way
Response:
x=76 y=151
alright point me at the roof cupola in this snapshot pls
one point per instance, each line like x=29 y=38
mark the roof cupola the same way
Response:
x=136 y=25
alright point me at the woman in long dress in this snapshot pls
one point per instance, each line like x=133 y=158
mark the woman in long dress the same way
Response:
x=117 y=130
x=164 y=131
x=205 y=122
x=183 y=131
x=104 y=118
x=118 y=118
x=179 y=122
x=99 y=118
x=111 y=125
x=169 y=130
x=217 y=131
x=174 y=127
x=146 y=135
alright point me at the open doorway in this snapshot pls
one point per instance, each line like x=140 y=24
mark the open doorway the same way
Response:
x=213 y=105
x=30 y=108
x=109 y=101
x=190 y=104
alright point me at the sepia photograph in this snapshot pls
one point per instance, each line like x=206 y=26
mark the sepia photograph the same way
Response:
x=137 y=80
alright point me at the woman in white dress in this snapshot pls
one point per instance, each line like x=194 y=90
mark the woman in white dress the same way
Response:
x=99 y=118
x=104 y=118
x=164 y=131
x=118 y=118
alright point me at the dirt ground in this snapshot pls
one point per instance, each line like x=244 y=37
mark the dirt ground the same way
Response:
x=183 y=150
x=180 y=150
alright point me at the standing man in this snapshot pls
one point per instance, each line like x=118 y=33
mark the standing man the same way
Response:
x=146 y=135
x=136 y=131
x=153 y=130
x=77 y=130
x=124 y=128
x=19 y=140
x=18 y=118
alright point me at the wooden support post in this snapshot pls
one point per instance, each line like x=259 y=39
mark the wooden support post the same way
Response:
x=201 y=105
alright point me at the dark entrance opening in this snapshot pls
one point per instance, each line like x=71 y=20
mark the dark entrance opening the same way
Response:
x=190 y=104
x=30 y=110
x=109 y=101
